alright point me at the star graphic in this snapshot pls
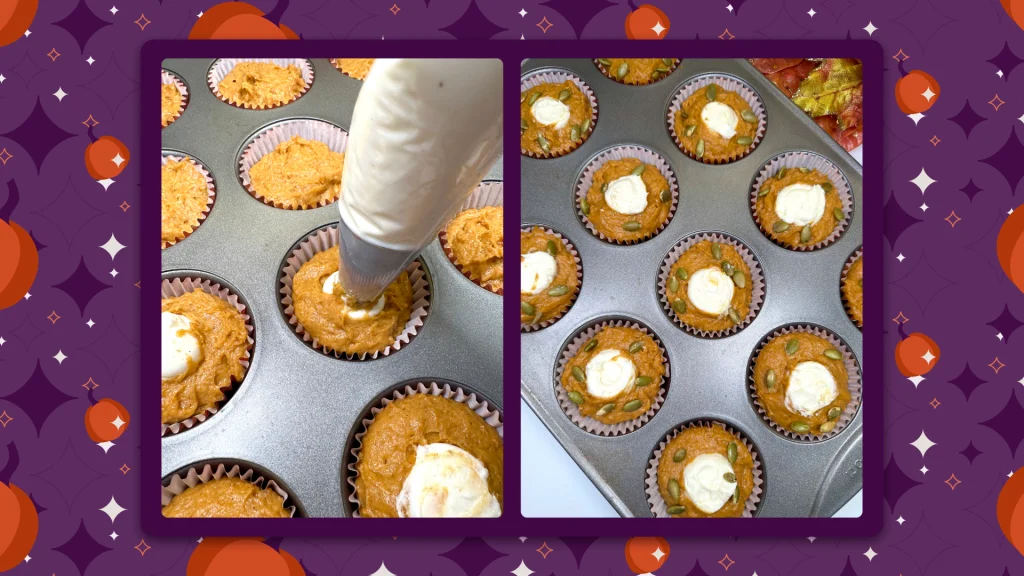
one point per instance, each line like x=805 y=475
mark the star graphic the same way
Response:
x=922 y=443
x=117 y=160
x=924 y=469
x=113 y=535
x=112 y=509
x=923 y=181
x=382 y=571
x=106 y=182
x=900 y=520
x=811 y=539
x=117 y=422
x=953 y=219
x=658 y=554
x=996 y=102
x=90 y=384
x=522 y=569
x=870 y=29
x=124 y=469
x=53 y=54
x=900 y=56
x=125 y=206
x=394 y=9
x=935 y=140
x=90 y=323
x=916 y=380
x=142 y=547
x=544 y=25
x=544 y=550
x=28 y=33
x=726 y=35
x=114 y=273
x=5 y=156
x=1021 y=116
x=112 y=247
x=658 y=28
x=924 y=207
x=901 y=257
x=915 y=117
x=142 y=22
x=60 y=94
x=870 y=554
x=5 y=418
x=928 y=357
x=811 y=12
x=2 y=340
x=523 y=13
x=996 y=365
x=935 y=403
x=928 y=94
x=60 y=357
x=2 y=78
x=90 y=60
x=952 y=482
x=729 y=7
x=726 y=562
x=900 y=318
x=53 y=317
x=114 y=10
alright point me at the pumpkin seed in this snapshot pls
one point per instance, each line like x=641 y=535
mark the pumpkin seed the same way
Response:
x=642 y=381
x=769 y=380
x=732 y=452
x=683 y=114
x=585 y=127
x=744 y=140
x=666 y=196
x=673 y=489
x=574 y=134
x=551 y=247
x=680 y=455
x=543 y=143
x=780 y=227
x=522 y=124
x=805 y=234
x=590 y=345
x=804 y=170
x=655 y=76
x=700 y=148
x=533 y=98
x=691 y=129
x=739 y=279
x=682 y=274
x=736 y=494
x=636 y=347
x=584 y=206
x=748 y=116
x=668 y=61
x=621 y=72
x=716 y=250
x=792 y=346
x=564 y=95
x=827 y=427
x=631 y=226
x=606 y=409
x=604 y=188
x=800 y=427
x=827 y=186
x=638 y=170
x=575 y=397
x=833 y=354
x=728 y=268
x=560 y=290
x=527 y=308
x=605 y=61
x=662 y=69
x=577 y=373
x=763 y=191
x=781 y=173
x=734 y=316
x=673 y=285
x=676 y=510
x=632 y=406
x=679 y=306
x=711 y=91
x=838 y=213
x=729 y=477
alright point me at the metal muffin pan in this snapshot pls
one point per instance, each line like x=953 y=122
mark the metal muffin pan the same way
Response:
x=296 y=409
x=709 y=375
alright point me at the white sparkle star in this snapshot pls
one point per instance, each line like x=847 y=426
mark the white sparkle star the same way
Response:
x=999 y=73
x=382 y=571
x=27 y=295
x=90 y=60
x=1021 y=118
x=924 y=469
x=2 y=78
x=928 y=356
x=117 y=422
x=106 y=182
x=28 y=33
x=112 y=246
x=922 y=443
x=811 y=12
x=1000 y=336
x=916 y=380
x=729 y=7
x=522 y=570
x=1010 y=211
x=60 y=356
x=90 y=323
x=1021 y=380
x=523 y=13
x=112 y=509
x=923 y=181
x=200 y=15
x=900 y=520
x=870 y=554
x=901 y=257
x=113 y=10
x=200 y=541
x=522 y=37
x=113 y=535
x=106 y=446
x=811 y=539
x=27 y=558
x=522 y=538
x=1010 y=475
x=658 y=29
x=915 y=117
x=870 y=28
x=924 y=207
x=114 y=273
x=658 y=554
x=928 y=94
x=2 y=343
x=60 y=94
x=117 y=160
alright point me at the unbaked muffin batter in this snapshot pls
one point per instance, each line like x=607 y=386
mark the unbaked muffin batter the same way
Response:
x=261 y=84
x=226 y=498
x=298 y=173
x=477 y=240
x=183 y=199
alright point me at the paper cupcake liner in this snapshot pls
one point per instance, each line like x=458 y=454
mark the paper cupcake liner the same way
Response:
x=177 y=286
x=549 y=76
x=337 y=65
x=324 y=239
x=211 y=193
x=657 y=502
x=270 y=137
x=168 y=77
x=728 y=83
x=223 y=66
x=645 y=155
x=571 y=410
x=194 y=476
x=491 y=414
x=605 y=72
x=813 y=161
x=488 y=193
x=757 y=283
x=579 y=277
x=858 y=253
x=853 y=382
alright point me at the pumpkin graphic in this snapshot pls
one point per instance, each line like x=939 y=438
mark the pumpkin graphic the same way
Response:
x=106 y=420
x=230 y=556
x=15 y=17
x=1010 y=510
x=105 y=157
x=646 y=554
x=1008 y=248
x=916 y=92
x=1014 y=9
x=647 y=22
x=916 y=355
x=241 y=20
x=20 y=523
x=19 y=258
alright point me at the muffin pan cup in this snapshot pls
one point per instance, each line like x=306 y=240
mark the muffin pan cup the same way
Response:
x=842 y=280
x=211 y=192
x=293 y=393
x=709 y=375
x=605 y=72
x=558 y=76
x=486 y=194
x=567 y=245
x=223 y=66
x=731 y=84
x=168 y=77
x=203 y=473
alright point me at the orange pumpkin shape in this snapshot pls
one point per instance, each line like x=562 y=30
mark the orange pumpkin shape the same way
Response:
x=106 y=420
x=1010 y=510
x=15 y=17
x=916 y=355
x=19 y=258
x=916 y=92
x=647 y=22
x=1009 y=249
x=646 y=554
x=230 y=556
x=20 y=524
x=106 y=158
x=241 y=20
x=1015 y=10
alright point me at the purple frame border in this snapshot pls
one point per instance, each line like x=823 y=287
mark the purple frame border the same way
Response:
x=512 y=523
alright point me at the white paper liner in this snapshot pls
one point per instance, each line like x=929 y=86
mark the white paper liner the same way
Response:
x=168 y=77
x=593 y=425
x=211 y=193
x=324 y=239
x=568 y=246
x=534 y=79
x=645 y=155
x=174 y=287
x=223 y=66
x=607 y=74
x=488 y=193
x=337 y=65
x=491 y=415
x=812 y=161
x=273 y=136
x=853 y=382
x=193 y=477
x=757 y=283
x=656 y=501
x=730 y=84
x=857 y=254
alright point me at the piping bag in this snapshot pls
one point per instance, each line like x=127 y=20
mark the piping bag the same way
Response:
x=424 y=133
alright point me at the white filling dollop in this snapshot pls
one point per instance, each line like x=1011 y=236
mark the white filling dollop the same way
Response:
x=720 y=118
x=705 y=483
x=548 y=111
x=332 y=281
x=177 y=345
x=800 y=204
x=811 y=388
x=609 y=372
x=536 y=272
x=446 y=482
x=710 y=290
x=627 y=195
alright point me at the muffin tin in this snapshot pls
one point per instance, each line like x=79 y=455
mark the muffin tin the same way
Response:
x=709 y=375
x=297 y=410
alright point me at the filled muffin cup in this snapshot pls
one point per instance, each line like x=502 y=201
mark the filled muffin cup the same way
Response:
x=731 y=84
x=611 y=76
x=757 y=282
x=336 y=62
x=270 y=137
x=592 y=425
x=569 y=247
x=857 y=254
x=488 y=193
x=203 y=473
x=809 y=161
x=558 y=76
x=853 y=383
x=174 y=286
x=455 y=392
x=659 y=508
x=324 y=239
x=223 y=66
x=645 y=155
x=168 y=77
x=211 y=192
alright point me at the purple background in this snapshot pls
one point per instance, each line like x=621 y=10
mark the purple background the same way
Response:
x=947 y=284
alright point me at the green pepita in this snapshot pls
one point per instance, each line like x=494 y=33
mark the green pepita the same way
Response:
x=638 y=170
x=690 y=129
x=683 y=114
x=763 y=192
x=621 y=72
x=716 y=250
x=780 y=227
x=543 y=143
x=800 y=427
x=590 y=345
x=711 y=91
x=636 y=347
x=769 y=380
x=739 y=279
x=585 y=127
x=577 y=373
x=575 y=397
x=682 y=274
x=642 y=381
x=838 y=213
x=700 y=148
x=533 y=99
x=661 y=69
x=676 y=510
x=560 y=290
x=728 y=268
x=732 y=452
x=734 y=316
x=527 y=308
x=632 y=405
x=833 y=354
x=668 y=61
x=666 y=196
x=736 y=495
x=604 y=61
x=729 y=477
x=744 y=140
x=680 y=455
x=574 y=134
x=606 y=409
x=673 y=285
x=564 y=95
x=631 y=226
x=805 y=234
x=522 y=124
x=551 y=247
x=584 y=206
x=834 y=412
x=679 y=306
x=827 y=186
x=792 y=346
x=604 y=188
x=673 y=489
x=804 y=170
x=748 y=116
x=781 y=173
x=827 y=427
